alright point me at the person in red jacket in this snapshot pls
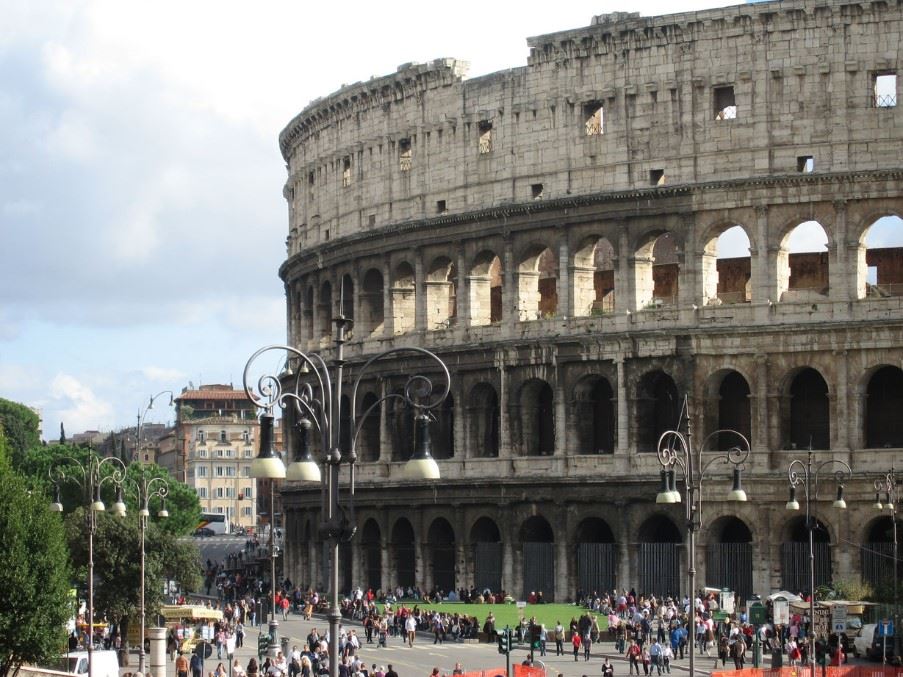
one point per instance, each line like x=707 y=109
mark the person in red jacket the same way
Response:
x=634 y=652
x=575 y=642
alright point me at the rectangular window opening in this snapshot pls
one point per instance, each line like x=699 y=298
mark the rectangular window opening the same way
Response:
x=371 y=220
x=405 y=155
x=311 y=179
x=346 y=172
x=805 y=164
x=536 y=191
x=593 y=114
x=724 y=103
x=441 y=207
x=657 y=177
x=485 y=137
x=885 y=90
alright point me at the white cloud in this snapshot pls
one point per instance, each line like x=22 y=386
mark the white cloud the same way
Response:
x=79 y=408
x=164 y=375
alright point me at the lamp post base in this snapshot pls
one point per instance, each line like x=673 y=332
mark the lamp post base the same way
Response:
x=274 y=638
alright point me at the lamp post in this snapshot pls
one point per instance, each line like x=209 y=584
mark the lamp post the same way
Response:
x=89 y=476
x=155 y=487
x=890 y=485
x=675 y=451
x=141 y=420
x=802 y=473
x=312 y=387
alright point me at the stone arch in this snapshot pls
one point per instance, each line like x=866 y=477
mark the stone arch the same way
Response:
x=441 y=544
x=403 y=550
x=657 y=409
x=883 y=426
x=594 y=277
x=659 y=557
x=486 y=540
x=485 y=285
x=726 y=265
x=878 y=551
x=404 y=298
x=803 y=262
x=594 y=418
x=795 y=554
x=728 y=408
x=325 y=309
x=879 y=257
x=441 y=293
x=537 y=283
x=368 y=442
x=371 y=546
x=538 y=556
x=807 y=418
x=729 y=555
x=536 y=529
x=483 y=421
x=442 y=429
x=372 y=321
x=596 y=556
x=657 y=269
x=537 y=418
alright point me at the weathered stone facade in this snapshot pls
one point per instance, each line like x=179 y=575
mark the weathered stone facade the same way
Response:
x=551 y=232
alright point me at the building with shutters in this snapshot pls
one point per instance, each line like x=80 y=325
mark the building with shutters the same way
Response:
x=703 y=205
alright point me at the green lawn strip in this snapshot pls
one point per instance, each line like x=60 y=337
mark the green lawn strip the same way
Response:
x=509 y=614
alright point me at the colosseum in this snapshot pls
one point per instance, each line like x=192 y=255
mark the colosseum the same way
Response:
x=703 y=205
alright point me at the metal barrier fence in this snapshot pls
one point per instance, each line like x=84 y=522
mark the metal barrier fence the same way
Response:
x=806 y=671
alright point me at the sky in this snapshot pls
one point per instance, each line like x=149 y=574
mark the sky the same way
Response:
x=142 y=221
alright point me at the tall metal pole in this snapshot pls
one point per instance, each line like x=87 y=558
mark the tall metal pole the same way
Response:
x=811 y=526
x=142 y=525
x=691 y=537
x=274 y=624
x=91 y=527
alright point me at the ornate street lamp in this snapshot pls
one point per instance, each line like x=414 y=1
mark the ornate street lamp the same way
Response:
x=802 y=473
x=890 y=485
x=142 y=416
x=89 y=476
x=312 y=388
x=675 y=452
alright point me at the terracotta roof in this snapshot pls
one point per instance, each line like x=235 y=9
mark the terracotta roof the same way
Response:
x=213 y=395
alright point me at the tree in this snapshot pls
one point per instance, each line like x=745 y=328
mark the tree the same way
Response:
x=182 y=502
x=62 y=434
x=20 y=425
x=34 y=575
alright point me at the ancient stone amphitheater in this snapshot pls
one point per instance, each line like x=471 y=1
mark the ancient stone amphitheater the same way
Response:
x=585 y=240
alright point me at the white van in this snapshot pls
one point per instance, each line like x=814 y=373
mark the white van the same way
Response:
x=104 y=663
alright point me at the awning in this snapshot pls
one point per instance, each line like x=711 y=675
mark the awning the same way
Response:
x=188 y=612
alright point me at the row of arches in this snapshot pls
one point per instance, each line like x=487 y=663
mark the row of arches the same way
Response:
x=599 y=279
x=591 y=557
x=592 y=413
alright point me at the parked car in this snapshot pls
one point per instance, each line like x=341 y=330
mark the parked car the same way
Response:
x=203 y=531
x=872 y=644
x=104 y=663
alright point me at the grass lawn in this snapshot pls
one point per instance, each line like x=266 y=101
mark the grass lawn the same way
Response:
x=509 y=614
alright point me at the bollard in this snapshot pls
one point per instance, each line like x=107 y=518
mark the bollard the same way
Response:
x=157 y=657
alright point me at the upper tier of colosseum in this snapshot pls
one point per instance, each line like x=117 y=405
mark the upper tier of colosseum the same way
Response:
x=625 y=104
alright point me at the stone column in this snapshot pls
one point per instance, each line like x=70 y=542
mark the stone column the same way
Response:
x=420 y=314
x=385 y=437
x=625 y=288
x=384 y=565
x=527 y=295
x=560 y=413
x=459 y=435
x=841 y=415
x=462 y=292
x=509 y=290
x=564 y=283
x=505 y=450
x=583 y=291
x=479 y=313
x=388 y=298
x=843 y=273
x=623 y=443
x=759 y=425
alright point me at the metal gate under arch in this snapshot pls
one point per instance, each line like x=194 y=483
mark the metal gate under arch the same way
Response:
x=596 y=567
x=539 y=570
x=795 y=565
x=729 y=565
x=659 y=568
x=487 y=566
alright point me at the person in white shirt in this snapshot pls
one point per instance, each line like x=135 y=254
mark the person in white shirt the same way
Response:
x=410 y=626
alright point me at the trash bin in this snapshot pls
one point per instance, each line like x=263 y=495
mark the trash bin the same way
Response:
x=285 y=646
x=777 y=658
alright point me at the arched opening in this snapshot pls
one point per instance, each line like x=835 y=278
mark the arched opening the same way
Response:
x=441 y=294
x=324 y=311
x=594 y=416
x=371 y=545
x=594 y=277
x=403 y=299
x=346 y=578
x=795 y=555
x=348 y=297
x=803 y=263
x=483 y=422
x=372 y=320
x=730 y=410
x=368 y=444
x=401 y=422
x=487 y=555
x=809 y=411
x=538 y=541
x=441 y=543
x=596 y=557
x=729 y=562
x=442 y=429
x=309 y=328
x=537 y=284
x=657 y=409
x=880 y=260
x=657 y=271
x=727 y=268
x=403 y=553
x=883 y=406
x=485 y=284
x=537 y=418
x=878 y=553
x=659 y=558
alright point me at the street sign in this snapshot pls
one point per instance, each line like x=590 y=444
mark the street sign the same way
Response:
x=757 y=613
x=521 y=605
x=727 y=601
x=263 y=644
x=839 y=618
x=886 y=628
x=822 y=620
x=203 y=649
x=781 y=612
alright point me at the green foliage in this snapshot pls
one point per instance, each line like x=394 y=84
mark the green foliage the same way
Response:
x=182 y=502
x=34 y=577
x=849 y=589
x=20 y=424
